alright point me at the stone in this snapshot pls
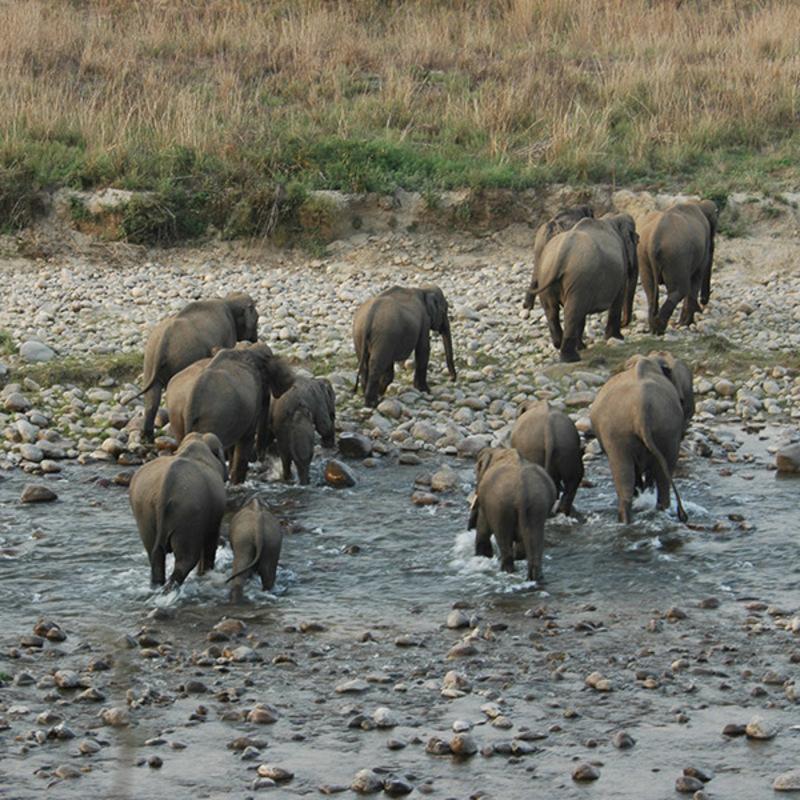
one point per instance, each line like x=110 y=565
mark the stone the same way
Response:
x=354 y=686
x=444 y=479
x=16 y=401
x=472 y=445
x=262 y=715
x=385 y=718
x=686 y=784
x=88 y=747
x=462 y=650
x=397 y=786
x=355 y=445
x=35 y=352
x=67 y=679
x=366 y=782
x=462 y=744
x=585 y=772
x=338 y=475
x=457 y=619
x=787 y=459
x=437 y=747
x=787 y=781
x=275 y=773
x=37 y=493
x=622 y=740
x=116 y=717
x=757 y=728
x=391 y=408
x=30 y=452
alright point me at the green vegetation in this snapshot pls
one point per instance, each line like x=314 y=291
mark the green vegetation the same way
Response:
x=84 y=371
x=228 y=114
x=7 y=346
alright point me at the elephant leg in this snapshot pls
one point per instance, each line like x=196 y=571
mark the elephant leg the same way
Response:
x=241 y=458
x=483 y=537
x=209 y=554
x=303 y=474
x=581 y=342
x=662 y=490
x=574 y=323
x=377 y=382
x=422 y=354
x=152 y=397
x=554 y=323
x=286 y=463
x=386 y=379
x=505 y=544
x=158 y=566
x=623 y=471
x=673 y=298
x=568 y=497
x=614 y=322
x=267 y=573
x=184 y=564
x=690 y=304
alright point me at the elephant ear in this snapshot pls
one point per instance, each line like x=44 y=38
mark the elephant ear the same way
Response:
x=436 y=307
x=215 y=446
x=330 y=396
x=484 y=461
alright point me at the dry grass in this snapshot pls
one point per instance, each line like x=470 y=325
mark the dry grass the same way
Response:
x=95 y=91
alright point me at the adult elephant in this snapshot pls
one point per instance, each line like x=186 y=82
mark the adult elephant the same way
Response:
x=513 y=499
x=676 y=249
x=192 y=334
x=549 y=438
x=680 y=375
x=590 y=268
x=178 y=502
x=391 y=326
x=638 y=420
x=230 y=397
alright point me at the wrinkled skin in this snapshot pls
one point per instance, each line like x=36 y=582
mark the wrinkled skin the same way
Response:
x=230 y=397
x=638 y=420
x=676 y=249
x=178 y=502
x=391 y=326
x=256 y=537
x=317 y=395
x=548 y=437
x=513 y=499
x=192 y=334
x=296 y=444
x=590 y=268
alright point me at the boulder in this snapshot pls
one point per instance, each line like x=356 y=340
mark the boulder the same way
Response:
x=36 y=352
x=787 y=459
x=355 y=445
x=338 y=475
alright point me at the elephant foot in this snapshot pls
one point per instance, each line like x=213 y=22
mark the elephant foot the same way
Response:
x=614 y=334
x=570 y=356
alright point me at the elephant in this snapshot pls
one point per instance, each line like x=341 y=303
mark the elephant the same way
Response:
x=317 y=395
x=676 y=249
x=191 y=334
x=256 y=537
x=589 y=268
x=178 y=502
x=680 y=376
x=549 y=438
x=230 y=396
x=513 y=499
x=638 y=420
x=389 y=327
x=562 y=221
x=296 y=443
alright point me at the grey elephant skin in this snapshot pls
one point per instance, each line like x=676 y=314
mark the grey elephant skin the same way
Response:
x=256 y=537
x=192 y=334
x=676 y=249
x=638 y=420
x=590 y=268
x=391 y=326
x=230 y=397
x=513 y=500
x=563 y=220
x=310 y=404
x=178 y=502
x=549 y=438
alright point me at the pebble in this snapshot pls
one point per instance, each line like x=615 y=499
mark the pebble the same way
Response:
x=366 y=782
x=685 y=784
x=115 y=717
x=462 y=744
x=397 y=786
x=36 y=493
x=585 y=772
x=275 y=773
x=262 y=715
x=623 y=740
x=787 y=459
x=757 y=728
x=787 y=781
x=355 y=445
x=354 y=686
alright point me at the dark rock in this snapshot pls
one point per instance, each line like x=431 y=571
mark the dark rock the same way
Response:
x=37 y=493
x=338 y=475
x=355 y=445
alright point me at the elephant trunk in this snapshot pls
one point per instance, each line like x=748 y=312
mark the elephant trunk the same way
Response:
x=447 y=338
x=530 y=295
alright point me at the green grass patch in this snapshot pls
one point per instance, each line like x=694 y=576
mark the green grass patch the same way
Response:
x=84 y=371
x=7 y=346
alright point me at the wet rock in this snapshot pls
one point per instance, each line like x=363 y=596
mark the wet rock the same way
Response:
x=32 y=641
x=758 y=728
x=457 y=619
x=472 y=445
x=419 y=498
x=88 y=747
x=696 y=772
x=461 y=726
x=437 y=747
x=242 y=654
x=462 y=650
x=444 y=479
x=116 y=717
x=355 y=445
x=37 y=493
x=709 y=602
x=262 y=715
x=366 y=782
x=354 y=686
x=623 y=740
x=275 y=773
x=338 y=475
x=585 y=772
x=462 y=744
x=787 y=781
x=67 y=772
x=396 y=744
x=385 y=718
x=686 y=784
x=787 y=459
x=397 y=786
x=155 y=762
x=67 y=679
x=733 y=729
x=597 y=682
x=50 y=630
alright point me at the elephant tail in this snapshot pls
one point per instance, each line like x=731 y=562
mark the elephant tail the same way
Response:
x=472 y=522
x=536 y=292
x=526 y=513
x=152 y=368
x=363 y=361
x=251 y=565
x=651 y=446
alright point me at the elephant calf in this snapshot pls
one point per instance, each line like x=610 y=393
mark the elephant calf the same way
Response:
x=391 y=326
x=317 y=395
x=638 y=420
x=296 y=444
x=178 y=502
x=676 y=249
x=192 y=334
x=230 y=396
x=548 y=437
x=513 y=500
x=256 y=537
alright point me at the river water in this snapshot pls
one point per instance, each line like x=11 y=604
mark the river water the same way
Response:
x=367 y=559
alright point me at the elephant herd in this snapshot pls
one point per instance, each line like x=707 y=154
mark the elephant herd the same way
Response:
x=229 y=397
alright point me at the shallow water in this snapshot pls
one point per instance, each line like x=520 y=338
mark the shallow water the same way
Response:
x=79 y=561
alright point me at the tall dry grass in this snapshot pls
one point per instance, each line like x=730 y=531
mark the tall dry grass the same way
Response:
x=580 y=87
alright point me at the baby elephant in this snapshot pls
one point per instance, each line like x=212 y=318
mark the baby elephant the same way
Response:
x=296 y=443
x=256 y=539
x=514 y=498
x=548 y=437
x=178 y=502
